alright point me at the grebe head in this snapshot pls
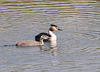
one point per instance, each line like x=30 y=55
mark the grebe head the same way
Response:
x=54 y=27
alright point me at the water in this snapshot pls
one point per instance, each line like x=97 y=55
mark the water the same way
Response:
x=78 y=45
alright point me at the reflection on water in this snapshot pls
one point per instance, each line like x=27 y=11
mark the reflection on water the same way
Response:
x=78 y=45
x=53 y=50
x=53 y=43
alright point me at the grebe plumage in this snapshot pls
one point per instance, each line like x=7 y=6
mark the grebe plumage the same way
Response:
x=31 y=42
x=50 y=33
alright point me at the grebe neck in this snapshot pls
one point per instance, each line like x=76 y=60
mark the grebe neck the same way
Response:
x=53 y=36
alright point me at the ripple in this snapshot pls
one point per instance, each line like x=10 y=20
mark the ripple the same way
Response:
x=78 y=44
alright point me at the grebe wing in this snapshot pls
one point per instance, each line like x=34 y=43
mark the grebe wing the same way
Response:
x=37 y=37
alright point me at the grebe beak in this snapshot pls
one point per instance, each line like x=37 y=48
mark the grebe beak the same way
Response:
x=60 y=29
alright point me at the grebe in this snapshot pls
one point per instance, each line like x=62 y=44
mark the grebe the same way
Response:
x=31 y=42
x=50 y=32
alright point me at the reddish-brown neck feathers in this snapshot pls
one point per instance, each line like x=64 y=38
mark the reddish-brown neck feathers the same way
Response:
x=51 y=28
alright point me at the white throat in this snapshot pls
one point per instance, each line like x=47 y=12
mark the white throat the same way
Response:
x=53 y=36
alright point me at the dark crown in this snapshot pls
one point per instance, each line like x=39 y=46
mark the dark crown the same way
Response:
x=54 y=25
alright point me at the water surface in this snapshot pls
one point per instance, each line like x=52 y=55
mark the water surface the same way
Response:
x=78 y=45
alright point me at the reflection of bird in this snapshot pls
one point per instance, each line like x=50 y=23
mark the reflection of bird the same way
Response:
x=31 y=42
x=50 y=33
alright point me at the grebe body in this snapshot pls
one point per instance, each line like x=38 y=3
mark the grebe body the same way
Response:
x=31 y=42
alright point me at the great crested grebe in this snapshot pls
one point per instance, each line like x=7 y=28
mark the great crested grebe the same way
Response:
x=50 y=32
x=31 y=42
